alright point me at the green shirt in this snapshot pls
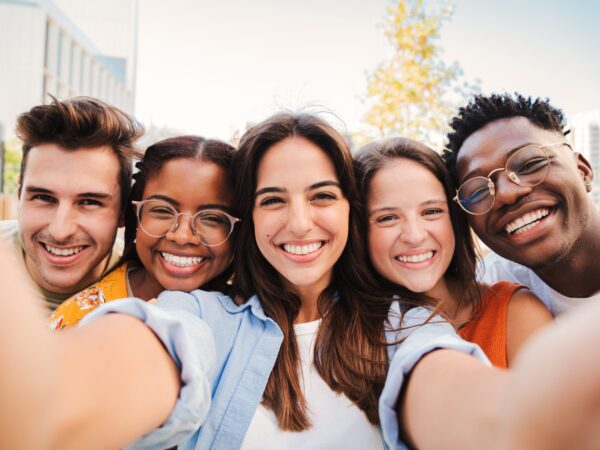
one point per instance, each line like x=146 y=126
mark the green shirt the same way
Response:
x=9 y=233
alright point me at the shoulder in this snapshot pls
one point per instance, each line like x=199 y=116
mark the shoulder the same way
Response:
x=524 y=303
x=9 y=231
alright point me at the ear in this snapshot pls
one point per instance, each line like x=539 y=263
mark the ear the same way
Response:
x=586 y=171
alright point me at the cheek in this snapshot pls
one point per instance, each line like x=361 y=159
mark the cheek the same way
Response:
x=222 y=254
x=143 y=244
x=381 y=241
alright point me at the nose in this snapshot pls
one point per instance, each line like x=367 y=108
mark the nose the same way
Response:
x=507 y=191
x=413 y=232
x=181 y=232
x=64 y=223
x=299 y=220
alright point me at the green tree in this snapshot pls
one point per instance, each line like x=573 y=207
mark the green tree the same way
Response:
x=415 y=93
x=12 y=165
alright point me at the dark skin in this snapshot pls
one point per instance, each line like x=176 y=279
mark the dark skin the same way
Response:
x=560 y=247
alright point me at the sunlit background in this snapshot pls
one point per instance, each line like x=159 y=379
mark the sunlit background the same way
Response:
x=211 y=68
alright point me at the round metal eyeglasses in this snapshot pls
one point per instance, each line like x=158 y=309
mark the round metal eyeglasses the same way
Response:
x=157 y=218
x=528 y=167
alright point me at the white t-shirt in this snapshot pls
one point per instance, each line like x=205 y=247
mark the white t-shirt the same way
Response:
x=495 y=268
x=337 y=422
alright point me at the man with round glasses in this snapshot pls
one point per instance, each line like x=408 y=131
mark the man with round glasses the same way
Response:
x=526 y=195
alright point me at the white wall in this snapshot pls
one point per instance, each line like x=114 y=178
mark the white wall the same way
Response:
x=22 y=36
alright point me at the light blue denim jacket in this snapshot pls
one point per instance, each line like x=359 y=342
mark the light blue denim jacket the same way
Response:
x=229 y=350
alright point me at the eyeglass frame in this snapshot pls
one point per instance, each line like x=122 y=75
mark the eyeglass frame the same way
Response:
x=138 y=204
x=510 y=174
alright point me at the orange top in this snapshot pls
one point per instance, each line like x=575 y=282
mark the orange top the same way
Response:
x=112 y=287
x=488 y=330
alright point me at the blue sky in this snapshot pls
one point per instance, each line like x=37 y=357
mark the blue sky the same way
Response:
x=210 y=67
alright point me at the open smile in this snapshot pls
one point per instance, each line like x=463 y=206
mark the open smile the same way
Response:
x=181 y=265
x=302 y=251
x=527 y=221
x=416 y=260
x=62 y=255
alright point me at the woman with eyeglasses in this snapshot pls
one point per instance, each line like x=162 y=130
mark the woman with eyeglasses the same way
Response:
x=178 y=228
x=419 y=239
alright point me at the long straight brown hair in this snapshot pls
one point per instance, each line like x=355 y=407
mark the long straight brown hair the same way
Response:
x=350 y=351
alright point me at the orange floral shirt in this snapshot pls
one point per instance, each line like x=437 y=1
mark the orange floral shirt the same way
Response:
x=112 y=287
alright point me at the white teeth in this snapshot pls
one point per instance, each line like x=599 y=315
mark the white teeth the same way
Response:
x=302 y=249
x=63 y=251
x=415 y=258
x=182 y=261
x=526 y=221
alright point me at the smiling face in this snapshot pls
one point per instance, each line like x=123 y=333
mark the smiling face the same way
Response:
x=534 y=226
x=69 y=211
x=300 y=214
x=411 y=241
x=178 y=260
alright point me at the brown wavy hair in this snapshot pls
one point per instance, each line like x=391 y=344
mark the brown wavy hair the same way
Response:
x=155 y=157
x=350 y=351
x=373 y=157
x=82 y=123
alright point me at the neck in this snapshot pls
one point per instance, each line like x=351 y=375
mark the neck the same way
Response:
x=309 y=305
x=143 y=284
x=447 y=292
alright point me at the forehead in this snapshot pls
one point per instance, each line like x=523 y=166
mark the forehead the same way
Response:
x=190 y=180
x=295 y=161
x=402 y=183
x=51 y=167
x=487 y=148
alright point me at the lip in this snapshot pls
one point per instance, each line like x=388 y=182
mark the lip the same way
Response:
x=181 y=272
x=302 y=259
x=513 y=214
x=416 y=265
x=58 y=260
x=537 y=232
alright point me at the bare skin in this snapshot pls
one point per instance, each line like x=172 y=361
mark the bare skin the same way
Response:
x=86 y=388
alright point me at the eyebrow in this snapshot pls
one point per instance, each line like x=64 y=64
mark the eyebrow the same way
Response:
x=96 y=195
x=312 y=187
x=393 y=208
x=176 y=204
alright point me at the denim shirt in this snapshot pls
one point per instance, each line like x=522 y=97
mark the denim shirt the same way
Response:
x=235 y=360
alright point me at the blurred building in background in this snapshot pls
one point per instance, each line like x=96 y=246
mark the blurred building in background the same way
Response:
x=66 y=48
x=585 y=128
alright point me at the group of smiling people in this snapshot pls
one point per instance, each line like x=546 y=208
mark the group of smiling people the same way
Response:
x=288 y=293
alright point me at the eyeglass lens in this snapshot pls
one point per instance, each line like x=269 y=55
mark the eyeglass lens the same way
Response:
x=526 y=167
x=212 y=226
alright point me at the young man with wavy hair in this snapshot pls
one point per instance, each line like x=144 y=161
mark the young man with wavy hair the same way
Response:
x=74 y=181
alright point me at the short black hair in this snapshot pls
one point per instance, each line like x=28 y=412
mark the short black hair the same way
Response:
x=482 y=110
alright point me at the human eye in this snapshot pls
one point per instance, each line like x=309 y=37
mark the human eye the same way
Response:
x=532 y=165
x=42 y=199
x=433 y=212
x=90 y=202
x=160 y=211
x=213 y=219
x=324 y=197
x=386 y=220
x=270 y=202
x=476 y=196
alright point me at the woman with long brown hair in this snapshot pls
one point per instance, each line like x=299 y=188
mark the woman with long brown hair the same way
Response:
x=302 y=256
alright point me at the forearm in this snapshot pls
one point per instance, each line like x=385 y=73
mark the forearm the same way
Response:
x=453 y=401
x=555 y=394
x=117 y=383
x=27 y=373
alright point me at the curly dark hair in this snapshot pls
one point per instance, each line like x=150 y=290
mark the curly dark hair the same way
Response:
x=482 y=110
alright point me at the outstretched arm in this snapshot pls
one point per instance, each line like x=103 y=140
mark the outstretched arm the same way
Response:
x=549 y=400
x=99 y=386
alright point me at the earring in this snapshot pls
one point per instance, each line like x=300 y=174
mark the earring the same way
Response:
x=588 y=186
